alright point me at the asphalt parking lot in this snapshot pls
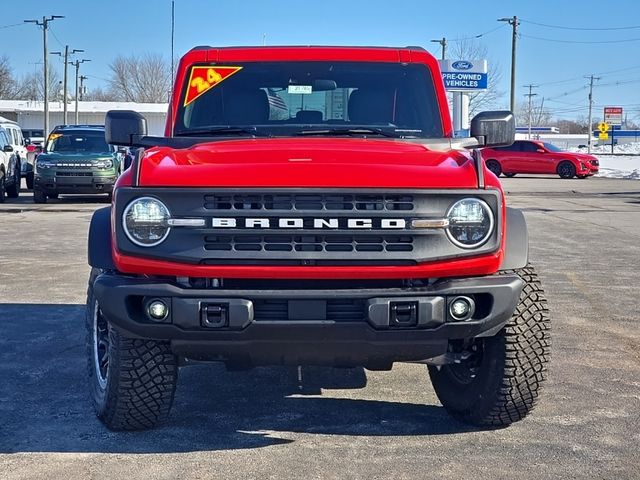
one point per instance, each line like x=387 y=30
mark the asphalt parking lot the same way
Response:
x=585 y=243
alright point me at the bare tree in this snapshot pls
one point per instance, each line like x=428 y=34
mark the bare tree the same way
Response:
x=100 y=94
x=472 y=49
x=7 y=82
x=540 y=116
x=31 y=86
x=140 y=78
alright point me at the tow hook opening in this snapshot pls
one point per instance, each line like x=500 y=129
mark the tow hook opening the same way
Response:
x=214 y=315
x=403 y=314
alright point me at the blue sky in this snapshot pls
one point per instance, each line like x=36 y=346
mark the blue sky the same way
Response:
x=105 y=29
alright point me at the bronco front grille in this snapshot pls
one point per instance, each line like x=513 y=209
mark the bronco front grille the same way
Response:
x=309 y=202
x=309 y=243
x=305 y=226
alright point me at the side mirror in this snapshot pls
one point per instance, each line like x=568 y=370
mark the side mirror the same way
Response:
x=494 y=129
x=124 y=127
x=7 y=148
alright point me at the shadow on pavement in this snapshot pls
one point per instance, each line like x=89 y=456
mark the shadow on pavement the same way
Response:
x=44 y=405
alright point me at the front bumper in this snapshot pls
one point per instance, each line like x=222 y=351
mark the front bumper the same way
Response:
x=81 y=184
x=303 y=327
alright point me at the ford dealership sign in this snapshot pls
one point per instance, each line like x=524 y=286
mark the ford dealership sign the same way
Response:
x=464 y=75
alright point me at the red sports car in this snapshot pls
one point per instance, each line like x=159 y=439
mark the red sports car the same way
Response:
x=527 y=156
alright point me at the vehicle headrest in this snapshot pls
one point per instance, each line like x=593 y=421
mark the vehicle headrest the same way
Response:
x=371 y=106
x=246 y=107
x=309 y=116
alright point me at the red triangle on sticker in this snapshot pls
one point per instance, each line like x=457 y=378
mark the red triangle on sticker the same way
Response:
x=203 y=79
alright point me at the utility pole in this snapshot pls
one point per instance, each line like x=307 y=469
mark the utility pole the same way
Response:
x=82 y=79
x=591 y=79
x=443 y=44
x=513 y=21
x=66 y=83
x=45 y=26
x=77 y=65
x=530 y=95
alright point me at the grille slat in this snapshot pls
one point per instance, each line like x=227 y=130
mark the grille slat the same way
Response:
x=309 y=202
x=309 y=243
x=338 y=310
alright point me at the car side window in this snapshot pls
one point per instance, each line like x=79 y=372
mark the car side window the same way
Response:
x=3 y=140
x=529 y=147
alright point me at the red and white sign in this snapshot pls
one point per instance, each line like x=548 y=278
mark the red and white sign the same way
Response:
x=613 y=115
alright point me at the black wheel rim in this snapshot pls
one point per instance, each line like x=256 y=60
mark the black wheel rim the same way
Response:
x=465 y=372
x=494 y=168
x=566 y=170
x=100 y=346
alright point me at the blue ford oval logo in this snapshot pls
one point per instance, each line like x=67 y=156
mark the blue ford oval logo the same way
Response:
x=462 y=65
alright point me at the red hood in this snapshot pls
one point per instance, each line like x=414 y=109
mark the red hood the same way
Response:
x=308 y=162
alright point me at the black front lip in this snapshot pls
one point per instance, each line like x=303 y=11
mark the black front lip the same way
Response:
x=302 y=342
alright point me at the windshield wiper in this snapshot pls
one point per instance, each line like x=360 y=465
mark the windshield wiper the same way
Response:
x=350 y=131
x=226 y=130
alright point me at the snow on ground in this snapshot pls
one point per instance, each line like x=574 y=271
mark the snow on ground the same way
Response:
x=617 y=166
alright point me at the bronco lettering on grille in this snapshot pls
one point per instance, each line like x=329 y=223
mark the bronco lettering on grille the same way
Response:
x=311 y=223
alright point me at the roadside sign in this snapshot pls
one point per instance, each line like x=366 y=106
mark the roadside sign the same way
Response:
x=603 y=136
x=613 y=116
x=603 y=127
x=464 y=75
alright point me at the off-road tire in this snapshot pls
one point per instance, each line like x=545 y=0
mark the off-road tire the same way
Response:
x=494 y=166
x=566 y=169
x=39 y=196
x=510 y=370
x=13 y=191
x=140 y=378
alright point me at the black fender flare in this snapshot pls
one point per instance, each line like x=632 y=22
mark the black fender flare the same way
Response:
x=516 y=250
x=99 y=247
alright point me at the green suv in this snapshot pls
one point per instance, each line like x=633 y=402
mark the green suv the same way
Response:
x=76 y=159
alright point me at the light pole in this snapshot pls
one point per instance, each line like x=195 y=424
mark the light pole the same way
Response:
x=66 y=63
x=77 y=65
x=45 y=26
x=513 y=21
x=443 y=44
x=530 y=95
x=591 y=79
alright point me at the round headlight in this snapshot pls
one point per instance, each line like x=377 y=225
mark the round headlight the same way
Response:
x=470 y=223
x=146 y=221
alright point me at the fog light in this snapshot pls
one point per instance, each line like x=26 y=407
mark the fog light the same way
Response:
x=461 y=308
x=157 y=310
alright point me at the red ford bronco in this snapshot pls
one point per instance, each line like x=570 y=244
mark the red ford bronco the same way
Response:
x=310 y=206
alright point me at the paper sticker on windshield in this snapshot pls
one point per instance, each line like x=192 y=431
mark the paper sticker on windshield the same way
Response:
x=203 y=79
x=300 y=89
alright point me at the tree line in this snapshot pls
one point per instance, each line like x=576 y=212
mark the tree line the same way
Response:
x=144 y=78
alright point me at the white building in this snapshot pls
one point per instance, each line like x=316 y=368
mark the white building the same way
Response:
x=30 y=114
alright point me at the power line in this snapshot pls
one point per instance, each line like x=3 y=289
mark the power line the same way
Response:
x=590 y=42
x=12 y=25
x=562 y=27
x=484 y=34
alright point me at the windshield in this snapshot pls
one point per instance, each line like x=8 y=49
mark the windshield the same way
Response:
x=78 y=142
x=292 y=98
x=551 y=147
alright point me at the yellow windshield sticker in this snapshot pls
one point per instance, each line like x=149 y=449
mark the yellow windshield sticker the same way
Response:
x=203 y=79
